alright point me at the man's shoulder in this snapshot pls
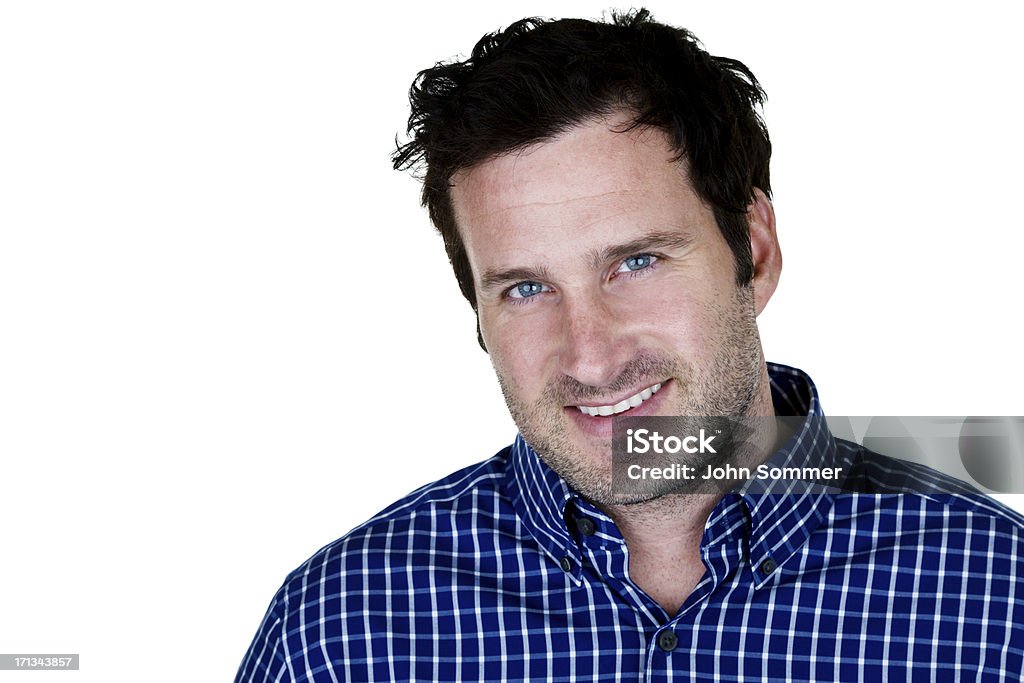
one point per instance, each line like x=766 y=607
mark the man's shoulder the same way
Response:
x=467 y=501
x=915 y=496
x=392 y=567
x=464 y=486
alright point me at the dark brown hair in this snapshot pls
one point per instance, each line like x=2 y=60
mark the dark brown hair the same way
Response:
x=538 y=78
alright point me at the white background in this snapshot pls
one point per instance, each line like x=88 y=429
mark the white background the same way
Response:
x=228 y=333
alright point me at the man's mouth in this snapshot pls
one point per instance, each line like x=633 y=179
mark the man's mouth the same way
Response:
x=623 y=405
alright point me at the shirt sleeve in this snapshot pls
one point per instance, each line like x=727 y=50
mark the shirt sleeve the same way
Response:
x=265 y=660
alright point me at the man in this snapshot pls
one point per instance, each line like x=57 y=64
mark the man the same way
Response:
x=603 y=193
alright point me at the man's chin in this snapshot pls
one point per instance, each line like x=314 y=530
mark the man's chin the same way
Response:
x=675 y=493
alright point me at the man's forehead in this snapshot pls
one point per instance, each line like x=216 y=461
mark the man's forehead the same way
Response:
x=587 y=171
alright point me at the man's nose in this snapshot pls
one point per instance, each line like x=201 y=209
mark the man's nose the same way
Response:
x=596 y=342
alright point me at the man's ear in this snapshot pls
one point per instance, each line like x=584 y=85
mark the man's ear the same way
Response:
x=764 y=248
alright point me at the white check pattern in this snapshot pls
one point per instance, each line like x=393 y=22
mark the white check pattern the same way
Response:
x=500 y=572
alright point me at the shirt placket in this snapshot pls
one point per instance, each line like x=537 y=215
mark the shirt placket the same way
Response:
x=665 y=637
x=670 y=656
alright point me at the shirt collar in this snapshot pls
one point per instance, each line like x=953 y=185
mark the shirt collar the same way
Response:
x=782 y=519
x=539 y=497
x=779 y=523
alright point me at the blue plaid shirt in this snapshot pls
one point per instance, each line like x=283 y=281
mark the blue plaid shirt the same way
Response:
x=501 y=572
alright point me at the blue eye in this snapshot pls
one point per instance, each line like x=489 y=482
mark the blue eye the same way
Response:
x=635 y=263
x=524 y=290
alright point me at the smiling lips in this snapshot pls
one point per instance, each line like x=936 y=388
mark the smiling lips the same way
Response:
x=623 y=405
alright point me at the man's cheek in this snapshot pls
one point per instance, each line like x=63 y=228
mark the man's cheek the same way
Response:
x=526 y=334
x=523 y=363
x=678 y=322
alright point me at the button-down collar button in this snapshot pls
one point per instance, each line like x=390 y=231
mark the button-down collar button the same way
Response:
x=768 y=566
x=585 y=526
x=566 y=563
x=667 y=640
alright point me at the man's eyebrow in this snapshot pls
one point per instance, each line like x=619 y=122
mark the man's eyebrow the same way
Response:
x=661 y=239
x=492 y=279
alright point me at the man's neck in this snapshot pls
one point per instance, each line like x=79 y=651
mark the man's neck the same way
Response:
x=663 y=535
x=663 y=538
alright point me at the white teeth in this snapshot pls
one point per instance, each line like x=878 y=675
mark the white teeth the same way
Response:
x=623 y=405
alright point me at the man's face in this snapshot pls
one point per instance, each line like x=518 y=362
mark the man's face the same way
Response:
x=604 y=286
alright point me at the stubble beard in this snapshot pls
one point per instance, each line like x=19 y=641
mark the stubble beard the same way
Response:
x=727 y=387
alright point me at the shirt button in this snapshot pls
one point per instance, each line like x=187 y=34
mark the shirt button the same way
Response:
x=585 y=526
x=667 y=640
x=566 y=563
x=768 y=566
